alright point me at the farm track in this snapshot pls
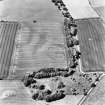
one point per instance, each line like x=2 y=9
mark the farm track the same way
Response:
x=92 y=37
x=7 y=32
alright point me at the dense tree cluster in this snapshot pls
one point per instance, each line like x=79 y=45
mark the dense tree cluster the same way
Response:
x=28 y=81
x=71 y=32
x=55 y=96
x=61 y=85
x=47 y=73
x=72 y=41
x=42 y=93
x=48 y=96
x=58 y=93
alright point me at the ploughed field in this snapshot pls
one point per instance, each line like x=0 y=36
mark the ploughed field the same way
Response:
x=7 y=37
x=91 y=34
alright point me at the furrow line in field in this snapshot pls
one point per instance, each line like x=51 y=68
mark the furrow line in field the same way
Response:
x=10 y=47
x=5 y=48
x=2 y=48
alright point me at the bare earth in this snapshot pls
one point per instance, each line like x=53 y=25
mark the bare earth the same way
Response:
x=80 y=9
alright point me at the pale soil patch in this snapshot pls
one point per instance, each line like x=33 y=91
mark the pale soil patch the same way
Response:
x=80 y=9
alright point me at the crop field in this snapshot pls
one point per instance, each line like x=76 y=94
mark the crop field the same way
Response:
x=92 y=44
x=40 y=42
x=44 y=46
x=40 y=47
x=7 y=36
x=26 y=10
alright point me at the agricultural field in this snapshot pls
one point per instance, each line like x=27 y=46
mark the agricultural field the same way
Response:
x=41 y=46
x=91 y=34
x=26 y=10
x=7 y=38
x=80 y=9
x=23 y=97
x=51 y=53
x=40 y=42
x=101 y=12
x=99 y=7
